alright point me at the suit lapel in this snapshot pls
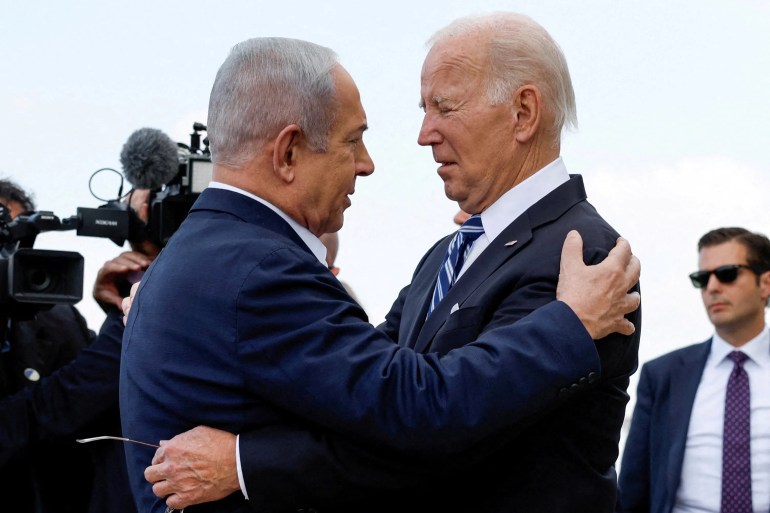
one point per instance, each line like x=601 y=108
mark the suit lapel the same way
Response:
x=685 y=380
x=495 y=255
x=500 y=250
x=420 y=294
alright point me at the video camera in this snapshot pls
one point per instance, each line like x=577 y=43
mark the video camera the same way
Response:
x=32 y=279
x=175 y=173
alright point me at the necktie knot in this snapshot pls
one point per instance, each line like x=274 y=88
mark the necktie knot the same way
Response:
x=472 y=228
x=738 y=357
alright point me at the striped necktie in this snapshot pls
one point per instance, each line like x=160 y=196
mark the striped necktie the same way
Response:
x=455 y=257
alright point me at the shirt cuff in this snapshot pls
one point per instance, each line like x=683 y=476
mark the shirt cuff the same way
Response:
x=238 y=465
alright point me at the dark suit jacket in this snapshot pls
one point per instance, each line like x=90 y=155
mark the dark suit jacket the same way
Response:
x=559 y=459
x=654 y=450
x=37 y=478
x=238 y=326
x=79 y=400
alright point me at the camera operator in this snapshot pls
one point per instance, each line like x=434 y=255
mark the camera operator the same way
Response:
x=81 y=399
x=41 y=477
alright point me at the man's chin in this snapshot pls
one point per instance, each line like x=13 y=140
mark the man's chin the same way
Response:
x=335 y=224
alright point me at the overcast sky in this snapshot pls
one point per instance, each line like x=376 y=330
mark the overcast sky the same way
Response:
x=672 y=105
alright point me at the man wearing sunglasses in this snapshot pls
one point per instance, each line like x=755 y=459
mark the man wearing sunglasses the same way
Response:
x=700 y=433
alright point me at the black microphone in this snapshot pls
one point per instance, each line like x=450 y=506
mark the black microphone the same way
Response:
x=149 y=158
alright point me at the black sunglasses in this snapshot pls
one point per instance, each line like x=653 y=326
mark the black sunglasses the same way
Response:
x=724 y=273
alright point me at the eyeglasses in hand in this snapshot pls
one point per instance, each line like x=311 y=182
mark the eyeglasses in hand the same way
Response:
x=169 y=509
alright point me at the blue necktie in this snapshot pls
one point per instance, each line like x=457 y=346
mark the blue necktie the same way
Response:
x=455 y=257
x=736 y=448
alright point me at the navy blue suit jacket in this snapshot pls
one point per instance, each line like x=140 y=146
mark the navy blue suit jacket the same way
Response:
x=558 y=459
x=238 y=326
x=654 y=450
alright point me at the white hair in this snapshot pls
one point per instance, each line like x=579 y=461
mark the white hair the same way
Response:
x=264 y=85
x=520 y=52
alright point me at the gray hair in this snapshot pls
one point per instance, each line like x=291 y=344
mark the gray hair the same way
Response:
x=264 y=85
x=520 y=52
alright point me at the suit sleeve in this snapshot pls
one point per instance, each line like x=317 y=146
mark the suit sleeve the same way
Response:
x=297 y=466
x=329 y=467
x=335 y=371
x=67 y=400
x=634 y=480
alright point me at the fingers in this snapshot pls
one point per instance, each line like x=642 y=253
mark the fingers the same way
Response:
x=633 y=271
x=134 y=260
x=134 y=288
x=108 y=295
x=621 y=251
x=153 y=473
x=124 y=263
x=625 y=327
x=572 y=251
x=598 y=294
x=631 y=302
x=113 y=273
x=623 y=255
x=125 y=306
x=164 y=483
x=128 y=301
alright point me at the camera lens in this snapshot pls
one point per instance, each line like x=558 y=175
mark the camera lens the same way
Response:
x=38 y=280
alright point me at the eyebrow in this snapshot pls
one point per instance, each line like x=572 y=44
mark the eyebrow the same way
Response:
x=363 y=127
x=434 y=99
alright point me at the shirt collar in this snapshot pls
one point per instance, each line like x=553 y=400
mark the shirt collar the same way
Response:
x=314 y=243
x=757 y=349
x=518 y=199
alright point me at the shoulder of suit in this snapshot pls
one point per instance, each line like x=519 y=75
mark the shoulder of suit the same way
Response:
x=668 y=358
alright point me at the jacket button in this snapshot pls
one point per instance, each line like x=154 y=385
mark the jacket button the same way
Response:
x=592 y=377
x=564 y=393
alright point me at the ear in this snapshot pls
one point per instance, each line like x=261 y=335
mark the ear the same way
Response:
x=764 y=285
x=527 y=112
x=285 y=152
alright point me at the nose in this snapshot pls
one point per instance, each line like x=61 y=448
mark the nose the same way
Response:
x=428 y=135
x=364 y=162
x=713 y=283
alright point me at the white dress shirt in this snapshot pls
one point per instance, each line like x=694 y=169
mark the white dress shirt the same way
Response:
x=700 y=488
x=316 y=247
x=514 y=203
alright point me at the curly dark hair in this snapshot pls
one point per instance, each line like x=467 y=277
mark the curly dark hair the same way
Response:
x=10 y=191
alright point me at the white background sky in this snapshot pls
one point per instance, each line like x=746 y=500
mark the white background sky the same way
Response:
x=672 y=105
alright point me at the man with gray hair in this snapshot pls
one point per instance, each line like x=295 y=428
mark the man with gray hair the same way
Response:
x=267 y=344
